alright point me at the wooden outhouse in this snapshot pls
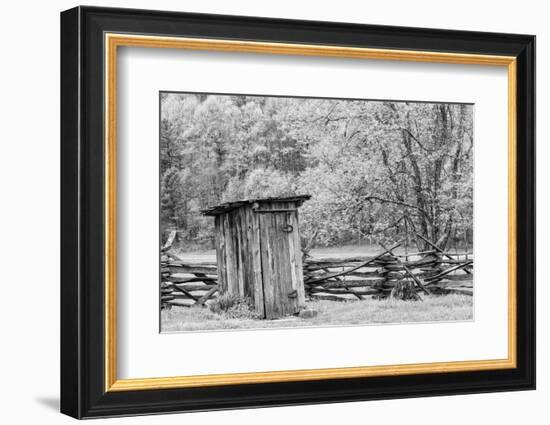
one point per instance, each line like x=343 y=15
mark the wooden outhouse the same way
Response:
x=258 y=253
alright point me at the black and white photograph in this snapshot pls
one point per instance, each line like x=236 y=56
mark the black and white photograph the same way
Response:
x=296 y=212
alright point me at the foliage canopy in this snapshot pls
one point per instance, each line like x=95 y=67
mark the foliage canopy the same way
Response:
x=374 y=168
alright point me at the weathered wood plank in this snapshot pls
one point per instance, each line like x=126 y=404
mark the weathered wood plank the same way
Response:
x=239 y=250
x=196 y=294
x=449 y=270
x=281 y=279
x=328 y=297
x=176 y=279
x=350 y=283
x=181 y=303
x=294 y=273
x=322 y=266
x=265 y=221
x=345 y=291
x=191 y=287
x=319 y=265
x=456 y=277
x=257 y=262
x=230 y=256
x=449 y=283
x=186 y=292
x=206 y=296
x=178 y=268
x=357 y=267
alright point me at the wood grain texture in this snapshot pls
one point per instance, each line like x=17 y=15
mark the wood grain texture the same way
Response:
x=259 y=255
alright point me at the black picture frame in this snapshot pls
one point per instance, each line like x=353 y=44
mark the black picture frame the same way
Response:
x=83 y=392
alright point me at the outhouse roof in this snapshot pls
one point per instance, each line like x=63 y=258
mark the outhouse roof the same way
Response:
x=230 y=206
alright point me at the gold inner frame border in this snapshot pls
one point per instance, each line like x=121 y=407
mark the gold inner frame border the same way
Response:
x=111 y=43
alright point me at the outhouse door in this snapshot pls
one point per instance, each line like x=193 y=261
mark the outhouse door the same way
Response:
x=281 y=260
x=258 y=253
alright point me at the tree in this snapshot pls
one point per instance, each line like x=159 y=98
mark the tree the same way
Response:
x=374 y=169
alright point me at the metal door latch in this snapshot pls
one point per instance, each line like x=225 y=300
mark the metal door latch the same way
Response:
x=287 y=228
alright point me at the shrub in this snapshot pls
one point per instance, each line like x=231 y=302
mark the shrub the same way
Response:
x=233 y=307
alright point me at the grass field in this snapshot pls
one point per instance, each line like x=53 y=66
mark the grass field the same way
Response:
x=209 y=256
x=330 y=313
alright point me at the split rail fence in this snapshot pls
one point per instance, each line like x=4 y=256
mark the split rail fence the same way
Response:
x=336 y=279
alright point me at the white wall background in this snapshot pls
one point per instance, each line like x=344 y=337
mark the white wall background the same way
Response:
x=29 y=213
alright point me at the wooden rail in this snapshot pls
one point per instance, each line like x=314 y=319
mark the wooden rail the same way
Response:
x=336 y=279
x=434 y=272
x=186 y=284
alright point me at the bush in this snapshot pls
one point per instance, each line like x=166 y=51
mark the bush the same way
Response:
x=234 y=307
